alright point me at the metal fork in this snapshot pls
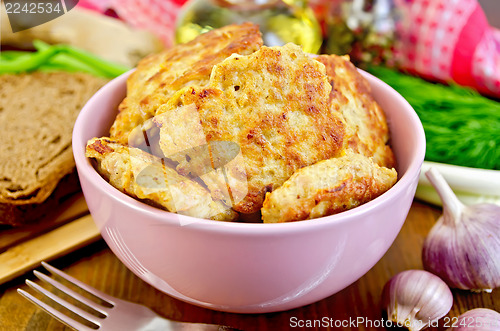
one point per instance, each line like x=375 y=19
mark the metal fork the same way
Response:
x=118 y=315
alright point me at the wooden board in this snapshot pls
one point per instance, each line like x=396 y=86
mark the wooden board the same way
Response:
x=23 y=248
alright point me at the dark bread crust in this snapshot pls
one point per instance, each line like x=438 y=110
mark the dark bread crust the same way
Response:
x=18 y=213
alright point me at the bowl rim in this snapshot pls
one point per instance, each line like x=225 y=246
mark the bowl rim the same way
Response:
x=85 y=168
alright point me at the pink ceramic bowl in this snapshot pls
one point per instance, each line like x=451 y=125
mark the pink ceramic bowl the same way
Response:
x=249 y=268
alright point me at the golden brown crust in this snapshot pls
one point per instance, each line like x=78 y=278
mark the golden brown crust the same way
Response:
x=273 y=104
x=366 y=126
x=159 y=76
x=327 y=187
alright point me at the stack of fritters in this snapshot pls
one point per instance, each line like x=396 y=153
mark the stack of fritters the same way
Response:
x=250 y=128
x=160 y=75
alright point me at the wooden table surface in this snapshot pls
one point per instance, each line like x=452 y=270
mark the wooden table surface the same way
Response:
x=97 y=266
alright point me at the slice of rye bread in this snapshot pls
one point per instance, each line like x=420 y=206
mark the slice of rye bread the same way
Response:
x=37 y=114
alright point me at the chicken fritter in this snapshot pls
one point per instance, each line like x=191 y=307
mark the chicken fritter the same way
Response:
x=274 y=104
x=327 y=187
x=183 y=140
x=144 y=176
x=367 y=132
x=159 y=76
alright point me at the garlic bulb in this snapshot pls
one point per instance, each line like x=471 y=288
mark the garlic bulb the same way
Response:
x=413 y=299
x=463 y=247
x=480 y=319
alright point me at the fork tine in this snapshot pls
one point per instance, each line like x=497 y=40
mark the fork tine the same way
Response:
x=80 y=312
x=91 y=290
x=55 y=313
x=95 y=306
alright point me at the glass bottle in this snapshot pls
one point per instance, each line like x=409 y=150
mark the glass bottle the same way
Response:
x=280 y=21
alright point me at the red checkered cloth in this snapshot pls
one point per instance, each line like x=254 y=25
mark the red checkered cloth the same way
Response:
x=441 y=40
x=449 y=40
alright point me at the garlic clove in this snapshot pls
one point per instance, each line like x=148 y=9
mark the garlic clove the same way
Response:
x=479 y=319
x=463 y=247
x=413 y=299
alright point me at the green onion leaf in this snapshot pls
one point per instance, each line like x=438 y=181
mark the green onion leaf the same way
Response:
x=461 y=126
